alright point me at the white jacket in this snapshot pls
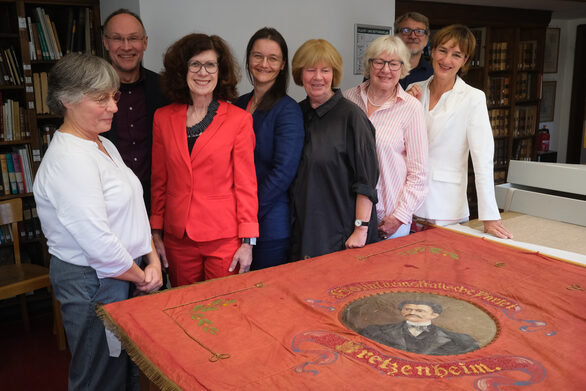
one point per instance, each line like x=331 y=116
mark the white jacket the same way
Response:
x=457 y=125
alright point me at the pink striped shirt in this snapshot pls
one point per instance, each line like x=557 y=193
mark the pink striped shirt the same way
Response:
x=401 y=146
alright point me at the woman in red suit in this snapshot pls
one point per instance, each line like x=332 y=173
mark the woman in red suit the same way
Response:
x=203 y=191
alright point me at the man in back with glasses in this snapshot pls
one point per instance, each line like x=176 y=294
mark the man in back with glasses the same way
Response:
x=413 y=29
x=125 y=39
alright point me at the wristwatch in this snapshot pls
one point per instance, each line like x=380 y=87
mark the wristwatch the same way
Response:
x=360 y=223
x=251 y=241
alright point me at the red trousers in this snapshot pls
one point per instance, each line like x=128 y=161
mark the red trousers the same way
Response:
x=191 y=261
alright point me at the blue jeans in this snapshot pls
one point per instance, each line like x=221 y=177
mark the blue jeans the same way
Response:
x=79 y=290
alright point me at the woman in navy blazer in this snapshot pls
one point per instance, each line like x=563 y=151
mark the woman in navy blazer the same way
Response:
x=278 y=126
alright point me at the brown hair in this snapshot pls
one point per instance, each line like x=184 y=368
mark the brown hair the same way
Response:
x=174 y=75
x=462 y=36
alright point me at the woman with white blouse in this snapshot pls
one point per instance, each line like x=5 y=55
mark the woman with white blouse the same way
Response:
x=94 y=218
x=401 y=136
x=457 y=126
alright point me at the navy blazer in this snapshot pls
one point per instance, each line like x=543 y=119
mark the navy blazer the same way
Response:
x=279 y=140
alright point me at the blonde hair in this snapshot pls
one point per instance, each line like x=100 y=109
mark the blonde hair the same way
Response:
x=391 y=45
x=462 y=36
x=313 y=52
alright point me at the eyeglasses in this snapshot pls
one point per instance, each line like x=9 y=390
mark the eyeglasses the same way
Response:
x=379 y=64
x=259 y=57
x=104 y=99
x=408 y=31
x=118 y=40
x=210 y=67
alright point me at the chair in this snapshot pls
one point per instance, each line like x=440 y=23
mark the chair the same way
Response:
x=19 y=278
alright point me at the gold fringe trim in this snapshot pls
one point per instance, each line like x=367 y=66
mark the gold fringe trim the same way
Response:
x=144 y=364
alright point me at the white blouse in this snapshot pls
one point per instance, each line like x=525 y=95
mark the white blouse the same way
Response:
x=90 y=206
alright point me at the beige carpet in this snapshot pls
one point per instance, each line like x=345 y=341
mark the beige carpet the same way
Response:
x=530 y=229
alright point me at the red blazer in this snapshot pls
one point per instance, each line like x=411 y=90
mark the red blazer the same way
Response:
x=212 y=193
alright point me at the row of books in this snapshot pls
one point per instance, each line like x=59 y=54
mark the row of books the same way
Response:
x=40 y=85
x=477 y=59
x=523 y=149
x=500 y=152
x=498 y=91
x=499 y=121
x=28 y=228
x=45 y=42
x=17 y=177
x=497 y=56
x=13 y=121
x=526 y=86
x=525 y=121
x=500 y=176
x=10 y=69
x=527 y=55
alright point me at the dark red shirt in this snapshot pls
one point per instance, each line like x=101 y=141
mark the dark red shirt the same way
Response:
x=133 y=129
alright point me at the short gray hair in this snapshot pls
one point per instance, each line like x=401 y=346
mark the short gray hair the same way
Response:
x=391 y=45
x=76 y=75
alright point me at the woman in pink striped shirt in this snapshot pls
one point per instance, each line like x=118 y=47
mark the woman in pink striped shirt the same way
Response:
x=401 y=135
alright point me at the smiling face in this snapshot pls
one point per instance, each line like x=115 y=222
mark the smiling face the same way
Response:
x=265 y=62
x=202 y=83
x=447 y=59
x=125 y=40
x=317 y=81
x=414 y=43
x=418 y=313
x=385 y=78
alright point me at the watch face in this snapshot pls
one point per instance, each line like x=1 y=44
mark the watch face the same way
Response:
x=358 y=223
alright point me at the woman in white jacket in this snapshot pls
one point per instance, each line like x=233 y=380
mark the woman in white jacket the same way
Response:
x=457 y=125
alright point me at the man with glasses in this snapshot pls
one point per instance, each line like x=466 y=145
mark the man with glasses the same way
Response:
x=413 y=29
x=125 y=39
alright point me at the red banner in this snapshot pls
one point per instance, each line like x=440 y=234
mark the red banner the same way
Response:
x=435 y=310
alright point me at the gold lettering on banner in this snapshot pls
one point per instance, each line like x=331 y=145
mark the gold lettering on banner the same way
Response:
x=393 y=366
x=345 y=291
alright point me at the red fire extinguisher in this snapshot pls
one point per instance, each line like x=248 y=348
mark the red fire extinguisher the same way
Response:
x=543 y=140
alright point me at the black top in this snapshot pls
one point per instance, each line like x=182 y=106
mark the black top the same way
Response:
x=422 y=71
x=436 y=341
x=154 y=100
x=337 y=163
x=193 y=132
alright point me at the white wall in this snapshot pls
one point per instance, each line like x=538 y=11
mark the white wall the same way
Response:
x=559 y=127
x=237 y=20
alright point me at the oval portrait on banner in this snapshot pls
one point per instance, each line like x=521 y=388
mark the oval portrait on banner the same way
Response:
x=421 y=323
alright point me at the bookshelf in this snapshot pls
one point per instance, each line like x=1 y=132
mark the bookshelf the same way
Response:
x=507 y=66
x=33 y=36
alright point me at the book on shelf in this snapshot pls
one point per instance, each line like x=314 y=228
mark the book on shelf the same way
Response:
x=35 y=219
x=44 y=91
x=10 y=67
x=5 y=177
x=14 y=125
x=524 y=121
x=11 y=174
x=18 y=174
x=498 y=56
x=478 y=57
x=499 y=121
x=498 y=91
x=27 y=218
x=41 y=86
x=26 y=164
x=527 y=55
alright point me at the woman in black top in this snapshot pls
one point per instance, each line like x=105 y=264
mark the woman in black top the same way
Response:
x=334 y=193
